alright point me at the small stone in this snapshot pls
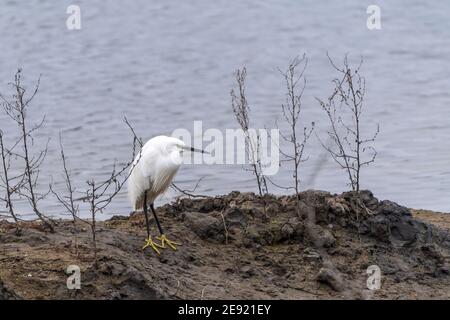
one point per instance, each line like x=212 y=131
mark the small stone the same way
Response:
x=247 y=272
x=311 y=255
x=320 y=237
x=330 y=277
x=287 y=231
x=443 y=270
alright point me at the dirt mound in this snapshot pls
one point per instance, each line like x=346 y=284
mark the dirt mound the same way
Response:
x=238 y=246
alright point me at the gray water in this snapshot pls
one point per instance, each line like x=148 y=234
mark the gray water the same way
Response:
x=164 y=64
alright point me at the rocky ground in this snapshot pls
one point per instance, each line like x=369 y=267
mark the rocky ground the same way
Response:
x=239 y=246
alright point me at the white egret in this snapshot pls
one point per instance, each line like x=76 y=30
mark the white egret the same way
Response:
x=151 y=174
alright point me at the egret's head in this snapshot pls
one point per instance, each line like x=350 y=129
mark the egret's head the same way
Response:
x=175 y=148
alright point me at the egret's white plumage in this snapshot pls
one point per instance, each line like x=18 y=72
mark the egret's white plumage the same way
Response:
x=151 y=174
x=153 y=169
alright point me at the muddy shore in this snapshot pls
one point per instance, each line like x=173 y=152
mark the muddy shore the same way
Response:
x=239 y=246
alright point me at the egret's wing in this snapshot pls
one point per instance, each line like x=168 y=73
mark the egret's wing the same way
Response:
x=148 y=161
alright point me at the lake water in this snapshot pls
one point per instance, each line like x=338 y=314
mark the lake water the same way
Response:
x=165 y=64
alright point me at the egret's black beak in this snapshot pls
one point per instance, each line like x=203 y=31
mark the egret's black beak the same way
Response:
x=192 y=149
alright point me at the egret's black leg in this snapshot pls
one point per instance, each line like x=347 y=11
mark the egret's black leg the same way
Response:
x=146 y=214
x=163 y=237
x=156 y=219
x=149 y=241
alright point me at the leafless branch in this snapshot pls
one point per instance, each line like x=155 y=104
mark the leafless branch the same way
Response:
x=17 y=110
x=189 y=193
x=67 y=201
x=344 y=109
x=8 y=183
x=100 y=194
x=241 y=110
x=295 y=82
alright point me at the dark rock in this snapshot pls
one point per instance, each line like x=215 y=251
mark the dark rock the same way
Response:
x=311 y=255
x=319 y=236
x=6 y=293
x=370 y=202
x=365 y=197
x=205 y=226
x=379 y=228
x=330 y=277
x=387 y=207
x=403 y=231
x=235 y=216
x=393 y=224
x=433 y=251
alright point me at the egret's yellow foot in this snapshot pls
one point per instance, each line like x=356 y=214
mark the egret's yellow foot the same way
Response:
x=150 y=243
x=165 y=241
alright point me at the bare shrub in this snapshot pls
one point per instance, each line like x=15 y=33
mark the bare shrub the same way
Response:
x=67 y=201
x=349 y=149
x=100 y=194
x=241 y=111
x=295 y=86
x=8 y=181
x=17 y=110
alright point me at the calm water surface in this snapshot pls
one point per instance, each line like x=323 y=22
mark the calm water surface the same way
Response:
x=164 y=64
